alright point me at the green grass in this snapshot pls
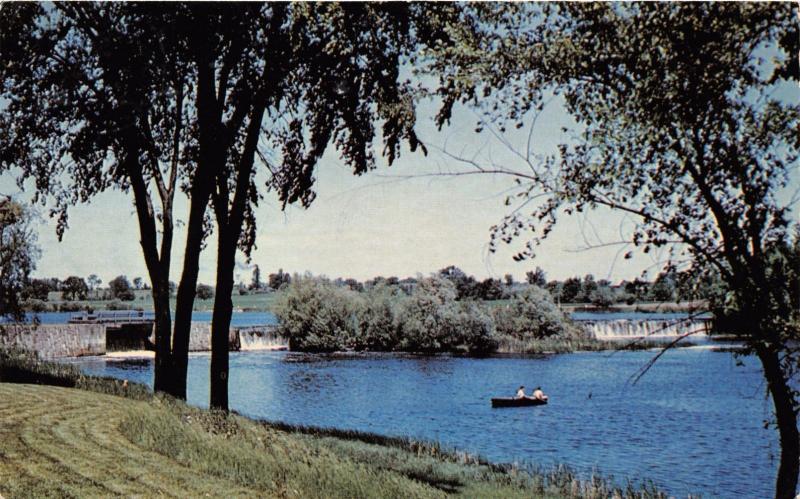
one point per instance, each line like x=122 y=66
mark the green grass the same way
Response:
x=247 y=303
x=67 y=442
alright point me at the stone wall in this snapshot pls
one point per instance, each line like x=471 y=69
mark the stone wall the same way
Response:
x=50 y=341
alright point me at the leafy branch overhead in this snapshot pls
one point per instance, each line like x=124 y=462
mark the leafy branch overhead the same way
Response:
x=686 y=118
x=671 y=102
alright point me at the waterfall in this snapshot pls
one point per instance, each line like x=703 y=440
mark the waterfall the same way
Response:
x=624 y=329
x=261 y=338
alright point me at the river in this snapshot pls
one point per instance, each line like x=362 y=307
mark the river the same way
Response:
x=693 y=424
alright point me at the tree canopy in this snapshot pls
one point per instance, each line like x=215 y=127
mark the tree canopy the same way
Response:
x=686 y=122
x=150 y=97
x=18 y=255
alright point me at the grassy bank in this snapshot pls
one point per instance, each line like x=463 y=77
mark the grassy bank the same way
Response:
x=62 y=442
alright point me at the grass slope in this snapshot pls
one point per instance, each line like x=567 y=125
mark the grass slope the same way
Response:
x=260 y=302
x=67 y=442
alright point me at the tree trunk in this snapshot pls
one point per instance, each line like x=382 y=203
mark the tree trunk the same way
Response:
x=211 y=155
x=221 y=321
x=163 y=377
x=157 y=267
x=186 y=293
x=786 y=483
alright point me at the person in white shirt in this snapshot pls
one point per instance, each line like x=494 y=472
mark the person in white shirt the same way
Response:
x=538 y=394
x=521 y=393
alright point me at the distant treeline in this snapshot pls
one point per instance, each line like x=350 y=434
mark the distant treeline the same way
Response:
x=667 y=287
x=36 y=292
x=319 y=315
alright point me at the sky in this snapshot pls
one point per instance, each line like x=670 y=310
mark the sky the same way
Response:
x=402 y=220
x=394 y=221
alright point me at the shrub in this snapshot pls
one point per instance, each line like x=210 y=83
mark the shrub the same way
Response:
x=531 y=315
x=425 y=325
x=34 y=305
x=377 y=323
x=602 y=297
x=121 y=289
x=69 y=307
x=316 y=315
x=117 y=305
x=476 y=329
x=205 y=292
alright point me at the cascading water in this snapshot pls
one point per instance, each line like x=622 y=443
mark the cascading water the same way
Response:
x=261 y=338
x=624 y=329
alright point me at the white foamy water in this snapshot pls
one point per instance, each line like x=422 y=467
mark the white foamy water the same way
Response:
x=261 y=339
x=656 y=329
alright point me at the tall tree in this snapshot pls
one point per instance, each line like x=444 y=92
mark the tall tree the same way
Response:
x=305 y=76
x=75 y=288
x=536 y=277
x=140 y=96
x=94 y=283
x=256 y=282
x=687 y=123
x=98 y=98
x=18 y=254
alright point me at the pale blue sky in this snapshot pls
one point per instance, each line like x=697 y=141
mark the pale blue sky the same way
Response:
x=383 y=223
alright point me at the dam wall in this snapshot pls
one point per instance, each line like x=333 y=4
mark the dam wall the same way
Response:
x=244 y=338
x=653 y=329
x=51 y=341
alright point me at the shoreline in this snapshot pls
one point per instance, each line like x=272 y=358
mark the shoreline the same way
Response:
x=150 y=354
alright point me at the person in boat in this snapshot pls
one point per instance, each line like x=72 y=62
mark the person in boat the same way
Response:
x=538 y=394
x=520 y=393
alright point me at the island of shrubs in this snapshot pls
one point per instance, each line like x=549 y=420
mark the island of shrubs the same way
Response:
x=319 y=316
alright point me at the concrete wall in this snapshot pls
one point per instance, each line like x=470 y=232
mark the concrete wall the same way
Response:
x=200 y=337
x=50 y=341
x=250 y=338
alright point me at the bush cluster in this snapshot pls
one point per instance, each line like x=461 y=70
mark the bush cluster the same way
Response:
x=317 y=315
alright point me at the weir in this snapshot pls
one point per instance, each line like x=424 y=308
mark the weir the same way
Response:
x=261 y=338
x=625 y=329
x=50 y=341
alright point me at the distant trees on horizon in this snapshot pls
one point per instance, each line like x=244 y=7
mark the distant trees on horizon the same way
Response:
x=666 y=287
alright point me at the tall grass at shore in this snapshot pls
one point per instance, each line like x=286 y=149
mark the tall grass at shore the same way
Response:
x=510 y=345
x=19 y=366
x=306 y=463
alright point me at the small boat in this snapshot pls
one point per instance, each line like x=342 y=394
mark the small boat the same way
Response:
x=516 y=402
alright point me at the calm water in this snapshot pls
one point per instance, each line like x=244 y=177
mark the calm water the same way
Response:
x=694 y=423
